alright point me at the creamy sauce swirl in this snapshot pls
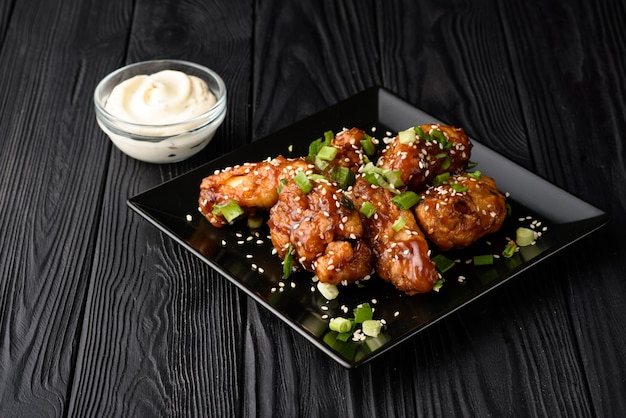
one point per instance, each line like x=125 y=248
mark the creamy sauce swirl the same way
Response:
x=163 y=98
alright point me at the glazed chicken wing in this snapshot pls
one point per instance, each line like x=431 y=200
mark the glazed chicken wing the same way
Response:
x=324 y=235
x=459 y=212
x=350 y=152
x=252 y=185
x=424 y=152
x=402 y=256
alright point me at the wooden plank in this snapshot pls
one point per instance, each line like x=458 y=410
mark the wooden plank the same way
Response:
x=6 y=9
x=161 y=334
x=50 y=64
x=309 y=56
x=573 y=90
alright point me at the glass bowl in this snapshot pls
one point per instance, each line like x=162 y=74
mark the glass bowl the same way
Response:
x=157 y=142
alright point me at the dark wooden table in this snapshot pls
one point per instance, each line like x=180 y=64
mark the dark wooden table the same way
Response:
x=103 y=315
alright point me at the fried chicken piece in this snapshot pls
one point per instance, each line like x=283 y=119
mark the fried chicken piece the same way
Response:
x=252 y=185
x=402 y=257
x=324 y=235
x=459 y=212
x=420 y=155
x=350 y=152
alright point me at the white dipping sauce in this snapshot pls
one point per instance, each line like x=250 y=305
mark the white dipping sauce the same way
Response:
x=163 y=98
x=166 y=105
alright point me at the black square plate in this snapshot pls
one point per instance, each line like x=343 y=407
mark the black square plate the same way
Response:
x=245 y=257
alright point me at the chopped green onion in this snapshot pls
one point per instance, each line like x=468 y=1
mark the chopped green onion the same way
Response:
x=394 y=178
x=343 y=336
x=288 y=262
x=471 y=165
x=509 y=249
x=420 y=132
x=316 y=177
x=399 y=224
x=377 y=180
x=406 y=200
x=367 y=209
x=347 y=203
x=372 y=178
x=438 y=285
x=230 y=211
x=441 y=138
x=441 y=179
x=442 y=263
x=524 y=236
x=458 y=188
x=387 y=179
x=329 y=291
x=303 y=182
x=370 y=168
x=362 y=313
x=483 y=260
x=314 y=148
x=327 y=153
x=509 y=209
x=343 y=176
x=406 y=137
x=475 y=175
x=281 y=184
x=320 y=164
x=446 y=162
x=255 y=221
x=371 y=327
x=340 y=324
x=368 y=145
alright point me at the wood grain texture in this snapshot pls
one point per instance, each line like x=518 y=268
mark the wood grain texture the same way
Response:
x=6 y=10
x=48 y=226
x=160 y=335
x=310 y=56
x=573 y=93
x=102 y=315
